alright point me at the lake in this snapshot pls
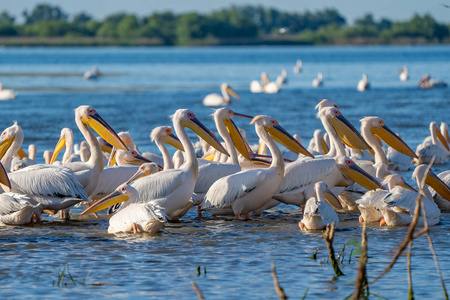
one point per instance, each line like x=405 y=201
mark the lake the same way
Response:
x=228 y=259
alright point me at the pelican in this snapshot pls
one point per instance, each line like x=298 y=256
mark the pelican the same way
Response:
x=363 y=84
x=427 y=83
x=93 y=74
x=47 y=155
x=7 y=94
x=218 y=100
x=317 y=144
x=65 y=140
x=442 y=198
x=318 y=82
x=257 y=86
x=163 y=135
x=134 y=216
x=371 y=202
x=437 y=146
x=58 y=187
x=243 y=192
x=271 y=87
x=23 y=162
x=172 y=189
x=404 y=74
x=318 y=212
x=282 y=78
x=298 y=66
x=401 y=203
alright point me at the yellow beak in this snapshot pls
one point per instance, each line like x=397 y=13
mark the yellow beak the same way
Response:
x=442 y=139
x=348 y=134
x=332 y=199
x=4 y=145
x=324 y=145
x=21 y=153
x=110 y=200
x=172 y=140
x=390 y=138
x=4 y=179
x=284 y=138
x=232 y=93
x=59 y=146
x=436 y=183
x=104 y=130
x=407 y=186
x=203 y=132
x=239 y=142
x=362 y=177
x=209 y=156
x=112 y=157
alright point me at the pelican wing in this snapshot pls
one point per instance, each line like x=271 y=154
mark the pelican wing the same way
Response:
x=159 y=185
x=210 y=173
x=401 y=198
x=47 y=180
x=227 y=189
x=12 y=202
x=373 y=198
x=139 y=213
x=111 y=178
x=304 y=172
x=430 y=150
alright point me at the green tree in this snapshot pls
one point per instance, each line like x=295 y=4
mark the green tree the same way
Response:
x=81 y=17
x=160 y=25
x=44 y=12
x=190 y=26
x=107 y=29
x=128 y=27
x=7 y=27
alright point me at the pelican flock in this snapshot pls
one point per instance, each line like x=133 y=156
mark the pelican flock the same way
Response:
x=343 y=170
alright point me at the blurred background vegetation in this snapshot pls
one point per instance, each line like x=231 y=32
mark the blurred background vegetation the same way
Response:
x=47 y=24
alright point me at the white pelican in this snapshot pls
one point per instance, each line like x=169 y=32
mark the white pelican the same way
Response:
x=442 y=198
x=401 y=203
x=93 y=74
x=163 y=135
x=427 y=83
x=257 y=86
x=404 y=74
x=47 y=155
x=7 y=94
x=298 y=66
x=209 y=173
x=65 y=140
x=23 y=162
x=318 y=82
x=437 y=146
x=371 y=202
x=221 y=100
x=134 y=216
x=282 y=78
x=318 y=212
x=317 y=144
x=363 y=84
x=241 y=193
x=172 y=189
x=271 y=87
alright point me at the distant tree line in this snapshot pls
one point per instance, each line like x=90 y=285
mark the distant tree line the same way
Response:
x=235 y=24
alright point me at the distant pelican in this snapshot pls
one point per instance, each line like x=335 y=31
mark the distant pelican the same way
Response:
x=436 y=146
x=257 y=86
x=7 y=94
x=318 y=82
x=427 y=83
x=318 y=212
x=404 y=74
x=93 y=74
x=298 y=66
x=363 y=84
x=221 y=100
x=271 y=87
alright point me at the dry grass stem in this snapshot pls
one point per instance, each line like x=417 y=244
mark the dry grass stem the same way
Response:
x=328 y=236
x=197 y=289
x=278 y=288
x=361 y=283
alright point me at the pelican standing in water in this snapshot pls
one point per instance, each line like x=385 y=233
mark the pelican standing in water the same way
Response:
x=241 y=193
x=298 y=66
x=318 y=82
x=221 y=100
x=363 y=84
x=318 y=212
x=172 y=189
x=404 y=74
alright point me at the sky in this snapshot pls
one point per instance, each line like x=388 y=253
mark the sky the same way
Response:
x=396 y=10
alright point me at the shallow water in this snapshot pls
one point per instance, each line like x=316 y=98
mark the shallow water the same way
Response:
x=141 y=87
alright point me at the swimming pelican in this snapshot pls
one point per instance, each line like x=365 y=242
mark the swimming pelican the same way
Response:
x=298 y=66
x=427 y=83
x=371 y=202
x=282 y=78
x=436 y=146
x=442 y=198
x=93 y=74
x=7 y=94
x=134 y=216
x=363 y=84
x=218 y=100
x=318 y=82
x=404 y=74
x=401 y=203
x=271 y=87
x=241 y=193
x=318 y=212
x=257 y=86
x=172 y=189
x=163 y=135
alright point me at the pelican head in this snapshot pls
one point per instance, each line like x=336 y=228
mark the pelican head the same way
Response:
x=432 y=180
x=224 y=115
x=144 y=170
x=348 y=134
x=353 y=171
x=89 y=116
x=121 y=194
x=187 y=118
x=279 y=134
x=321 y=187
x=165 y=135
x=65 y=134
x=379 y=129
x=394 y=180
x=325 y=103
x=227 y=88
x=8 y=136
x=434 y=128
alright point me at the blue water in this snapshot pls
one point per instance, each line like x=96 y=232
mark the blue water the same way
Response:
x=141 y=87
